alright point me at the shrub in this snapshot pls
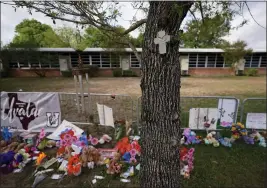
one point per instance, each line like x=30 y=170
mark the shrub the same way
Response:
x=252 y=72
x=3 y=74
x=129 y=73
x=117 y=72
x=92 y=70
x=66 y=73
x=239 y=73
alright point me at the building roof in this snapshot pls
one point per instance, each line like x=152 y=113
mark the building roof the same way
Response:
x=185 y=50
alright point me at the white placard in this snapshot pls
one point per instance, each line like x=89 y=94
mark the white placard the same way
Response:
x=226 y=112
x=256 y=121
x=105 y=115
x=30 y=111
x=63 y=126
x=197 y=118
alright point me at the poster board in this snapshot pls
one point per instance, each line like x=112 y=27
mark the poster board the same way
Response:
x=30 y=111
x=256 y=121
x=226 y=113
x=199 y=116
x=105 y=115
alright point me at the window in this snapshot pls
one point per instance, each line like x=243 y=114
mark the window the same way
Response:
x=115 y=60
x=263 y=60
x=255 y=60
x=54 y=59
x=247 y=60
x=201 y=60
x=192 y=60
x=105 y=58
x=44 y=60
x=211 y=60
x=23 y=59
x=134 y=61
x=34 y=60
x=220 y=60
x=95 y=59
x=85 y=58
x=74 y=59
x=13 y=63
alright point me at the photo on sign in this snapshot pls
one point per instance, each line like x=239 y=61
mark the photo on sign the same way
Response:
x=203 y=118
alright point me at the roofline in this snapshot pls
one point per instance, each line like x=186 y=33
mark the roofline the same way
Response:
x=185 y=50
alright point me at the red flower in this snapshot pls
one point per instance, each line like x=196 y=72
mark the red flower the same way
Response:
x=123 y=145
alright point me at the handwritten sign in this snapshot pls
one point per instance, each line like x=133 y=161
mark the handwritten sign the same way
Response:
x=256 y=121
x=198 y=117
x=226 y=112
x=30 y=110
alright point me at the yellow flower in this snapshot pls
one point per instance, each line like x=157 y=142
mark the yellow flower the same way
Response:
x=40 y=158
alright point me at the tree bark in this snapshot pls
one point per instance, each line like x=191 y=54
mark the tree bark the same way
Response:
x=160 y=86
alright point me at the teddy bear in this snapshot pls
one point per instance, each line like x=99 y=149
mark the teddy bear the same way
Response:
x=10 y=147
x=90 y=156
x=114 y=167
x=211 y=140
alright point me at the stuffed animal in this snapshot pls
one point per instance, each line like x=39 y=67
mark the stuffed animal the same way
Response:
x=223 y=141
x=10 y=147
x=89 y=155
x=114 y=167
x=259 y=138
x=20 y=146
x=3 y=143
x=211 y=140
x=190 y=137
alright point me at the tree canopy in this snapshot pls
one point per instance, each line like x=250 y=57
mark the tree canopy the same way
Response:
x=34 y=33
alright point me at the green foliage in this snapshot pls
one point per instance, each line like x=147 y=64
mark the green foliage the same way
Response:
x=207 y=29
x=234 y=52
x=92 y=70
x=128 y=73
x=252 y=72
x=35 y=34
x=66 y=73
x=117 y=72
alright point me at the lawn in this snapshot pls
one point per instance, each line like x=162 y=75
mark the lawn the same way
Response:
x=239 y=166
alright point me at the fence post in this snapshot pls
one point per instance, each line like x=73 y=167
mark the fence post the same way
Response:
x=77 y=97
x=88 y=91
x=82 y=94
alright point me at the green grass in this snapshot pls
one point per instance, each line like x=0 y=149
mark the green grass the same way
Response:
x=239 y=166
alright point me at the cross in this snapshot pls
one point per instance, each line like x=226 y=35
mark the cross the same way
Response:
x=161 y=40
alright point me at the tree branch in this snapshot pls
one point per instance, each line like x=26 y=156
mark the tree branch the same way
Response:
x=253 y=16
x=134 y=26
x=135 y=51
x=201 y=11
x=192 y=13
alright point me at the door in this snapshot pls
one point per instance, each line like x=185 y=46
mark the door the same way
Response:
x=125 y=63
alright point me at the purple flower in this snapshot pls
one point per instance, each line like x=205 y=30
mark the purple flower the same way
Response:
x=94 y=141
x=67 y=137
x=133 y=160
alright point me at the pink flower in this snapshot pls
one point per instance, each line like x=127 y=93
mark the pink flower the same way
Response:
x=42 y=133
x=67 y=137
x=133 y=152
x=94 y=141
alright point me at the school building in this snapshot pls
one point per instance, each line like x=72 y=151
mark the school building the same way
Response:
x=202 y=62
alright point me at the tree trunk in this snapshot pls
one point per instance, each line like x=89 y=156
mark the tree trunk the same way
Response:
x=160 y=86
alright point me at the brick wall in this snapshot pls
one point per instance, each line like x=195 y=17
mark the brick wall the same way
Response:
x=210 y=71
x=261 y=71
x=31 y=73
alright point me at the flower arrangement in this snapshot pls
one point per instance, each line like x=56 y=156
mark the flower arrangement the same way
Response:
x=94 y=141
x=186 y=164
x=190 y=137
x=74 y=166
x=67 y=138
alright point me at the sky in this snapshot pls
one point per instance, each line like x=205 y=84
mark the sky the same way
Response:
x=254 y=35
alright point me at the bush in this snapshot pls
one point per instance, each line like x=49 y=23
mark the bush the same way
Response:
x=129 y=73
x=3 y=74
x=66 y=73
x=117 y=72
x=252 y=72
x=239 y=73
x=92 y=70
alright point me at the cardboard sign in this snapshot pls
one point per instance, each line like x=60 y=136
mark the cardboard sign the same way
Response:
x=63 y=126
x=226 y=112
x=256 y=121
x=105 y=115
x=106 y=152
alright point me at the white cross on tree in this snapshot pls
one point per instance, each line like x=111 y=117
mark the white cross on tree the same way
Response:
x=161 y=40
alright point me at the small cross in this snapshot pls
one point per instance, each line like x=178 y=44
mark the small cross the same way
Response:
x=161 y=40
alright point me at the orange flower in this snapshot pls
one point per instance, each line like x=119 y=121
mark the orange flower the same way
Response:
x=74 y=165
x=123 y=145
x=40 y=158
